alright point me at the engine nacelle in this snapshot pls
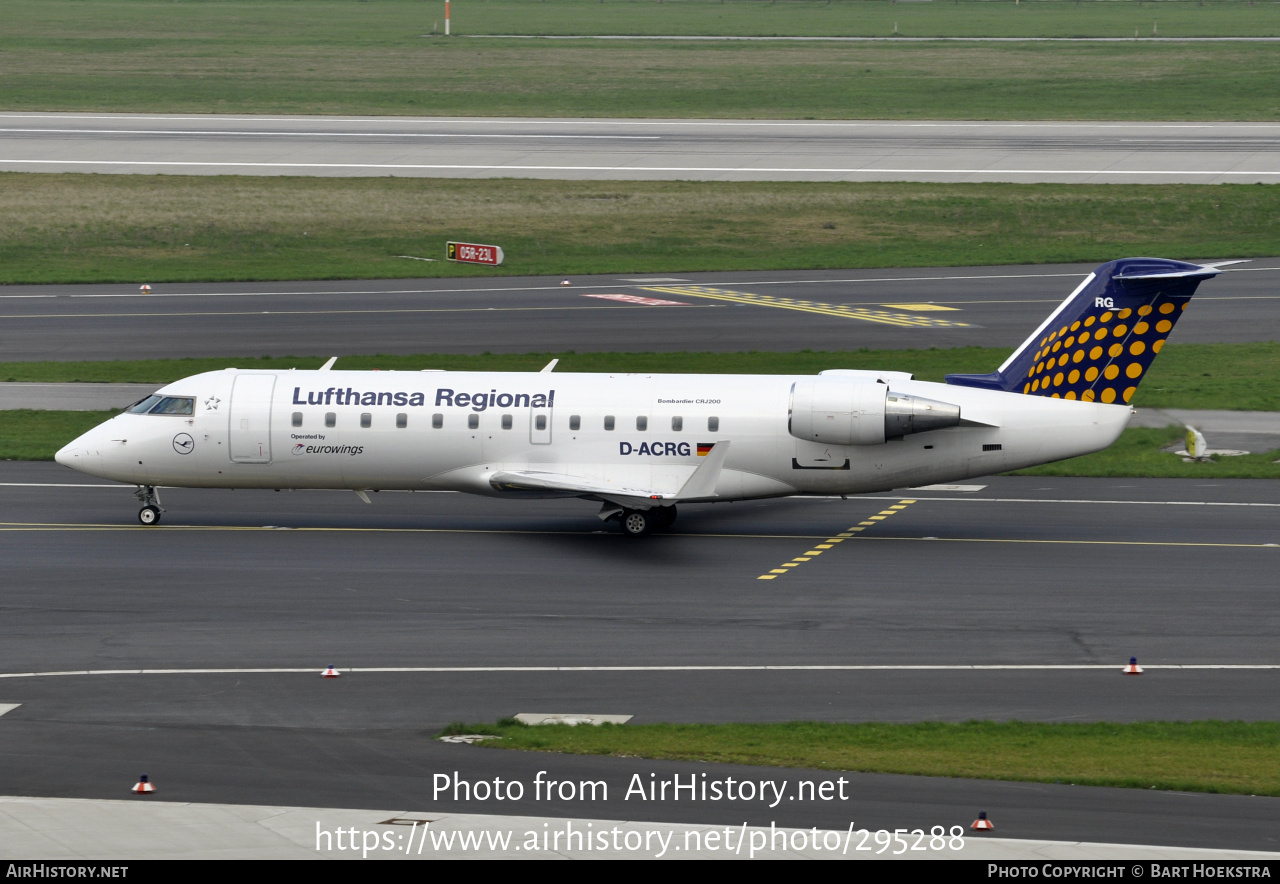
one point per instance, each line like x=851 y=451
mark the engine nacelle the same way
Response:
x=841 y=411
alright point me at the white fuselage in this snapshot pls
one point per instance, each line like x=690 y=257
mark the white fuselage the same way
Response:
x=456 y=430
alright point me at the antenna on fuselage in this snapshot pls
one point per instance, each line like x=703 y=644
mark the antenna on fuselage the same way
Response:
x=328 y=365
x=550 y=366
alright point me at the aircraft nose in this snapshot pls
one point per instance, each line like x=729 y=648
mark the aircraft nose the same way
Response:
x=79 y=453
x=74 y=455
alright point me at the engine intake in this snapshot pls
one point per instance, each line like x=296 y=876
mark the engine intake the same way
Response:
x=838 y=411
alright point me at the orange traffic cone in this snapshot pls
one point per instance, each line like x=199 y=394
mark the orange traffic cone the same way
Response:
x=143 y=786
x=144 y=289
x=1133 y=668
x=330 y=673
x=982 y=824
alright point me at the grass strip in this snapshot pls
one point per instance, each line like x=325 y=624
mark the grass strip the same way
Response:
x=1241 y=377
x=1201 y=756
x=65 y=228
x=26 y=434
x=332 y=57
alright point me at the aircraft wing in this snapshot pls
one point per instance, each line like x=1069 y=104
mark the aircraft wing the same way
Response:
x=699 y=486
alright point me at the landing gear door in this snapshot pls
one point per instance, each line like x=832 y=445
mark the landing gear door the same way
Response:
x=250 y=418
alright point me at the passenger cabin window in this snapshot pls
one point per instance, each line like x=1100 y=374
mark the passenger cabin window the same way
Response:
x=713 y=424
x=575 y=421
x=608 y=422
x=402 y=421
x=473 y=421
x=297 y=418
x=540 y=422
x=180 y=405
x=506 y=422
x=366 y=420
x=437 y=421
x=642 y=424
x=330 y=419
x=677 y=424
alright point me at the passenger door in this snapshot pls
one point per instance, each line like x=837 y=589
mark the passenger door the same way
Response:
x=250 y=418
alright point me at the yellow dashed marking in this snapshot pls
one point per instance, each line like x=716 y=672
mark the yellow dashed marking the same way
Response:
x=919 y=308
x=819 y=547
x=867 y=314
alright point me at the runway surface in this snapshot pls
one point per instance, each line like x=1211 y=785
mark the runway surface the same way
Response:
x=721 y=312
x=1023 y=573
x=729 y=150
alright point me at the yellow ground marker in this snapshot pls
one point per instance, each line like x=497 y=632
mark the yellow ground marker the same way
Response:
x=843 y=535
x=919 y=308
x=866 y=314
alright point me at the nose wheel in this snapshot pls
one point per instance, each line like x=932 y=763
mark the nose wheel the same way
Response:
x=150 y=500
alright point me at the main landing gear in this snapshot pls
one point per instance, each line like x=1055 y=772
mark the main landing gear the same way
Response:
x=150 y=500
x=638 y=523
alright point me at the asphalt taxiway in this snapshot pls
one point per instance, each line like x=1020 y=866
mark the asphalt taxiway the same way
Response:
x=471 y=609
x=719 y=312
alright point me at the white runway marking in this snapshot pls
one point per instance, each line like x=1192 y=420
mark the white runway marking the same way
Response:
x=548 y=288
x=428 y=670
x=313 y=134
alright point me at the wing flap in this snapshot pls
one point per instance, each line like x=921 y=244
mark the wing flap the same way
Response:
x=700 y=485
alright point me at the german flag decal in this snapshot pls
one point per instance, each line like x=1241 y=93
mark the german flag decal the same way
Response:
x=704 y=448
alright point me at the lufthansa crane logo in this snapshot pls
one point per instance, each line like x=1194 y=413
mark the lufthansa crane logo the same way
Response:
x=183 y=443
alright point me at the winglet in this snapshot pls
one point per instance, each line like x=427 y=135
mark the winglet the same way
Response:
x=550 y=366
x=703 y=481
x=328 y=365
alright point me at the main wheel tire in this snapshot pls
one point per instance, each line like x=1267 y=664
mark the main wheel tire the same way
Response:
x=636 y=523
x=664 y=516
x=149 y=515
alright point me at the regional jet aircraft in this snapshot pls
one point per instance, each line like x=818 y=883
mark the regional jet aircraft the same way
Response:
x=640 y=444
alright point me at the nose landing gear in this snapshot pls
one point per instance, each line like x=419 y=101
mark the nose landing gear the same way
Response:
x=150 y=500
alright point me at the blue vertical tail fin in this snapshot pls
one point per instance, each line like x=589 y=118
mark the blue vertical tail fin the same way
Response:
x=1099 y=343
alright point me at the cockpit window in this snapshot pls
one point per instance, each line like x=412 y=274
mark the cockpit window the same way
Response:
x=175 y=405
x=164 y=405
x=143 y=406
